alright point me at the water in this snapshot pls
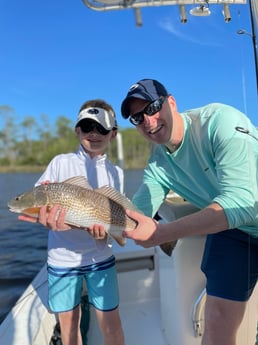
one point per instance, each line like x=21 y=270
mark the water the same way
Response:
x=23 y=245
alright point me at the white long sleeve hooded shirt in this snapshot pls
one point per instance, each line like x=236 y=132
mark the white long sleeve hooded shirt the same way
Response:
x=74 y=248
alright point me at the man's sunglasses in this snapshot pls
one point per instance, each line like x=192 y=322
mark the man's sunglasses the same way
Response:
x=88 y=126
x=150 y=110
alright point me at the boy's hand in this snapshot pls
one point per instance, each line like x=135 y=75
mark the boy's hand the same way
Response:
x=54 y=220
x=27 y=218
x=97 y=232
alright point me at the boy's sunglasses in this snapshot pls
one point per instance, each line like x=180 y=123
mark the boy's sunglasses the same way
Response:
x=150 y=110
x=88 y=126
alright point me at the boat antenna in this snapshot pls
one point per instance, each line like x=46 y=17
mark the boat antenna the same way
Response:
x=253 y=7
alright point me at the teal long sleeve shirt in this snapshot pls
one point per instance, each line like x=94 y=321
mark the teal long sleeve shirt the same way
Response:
x=216 y=162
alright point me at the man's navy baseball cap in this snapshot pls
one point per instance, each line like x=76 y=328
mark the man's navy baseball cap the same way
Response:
x=147 y=89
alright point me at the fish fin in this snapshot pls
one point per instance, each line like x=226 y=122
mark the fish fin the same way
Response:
x=31 y=211
x=120 y=240
x=168 y=247
x=117 y=197
x=34 y=211
x=80 y=181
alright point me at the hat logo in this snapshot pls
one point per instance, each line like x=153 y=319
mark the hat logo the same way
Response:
x=133 y=87
x=93 y=111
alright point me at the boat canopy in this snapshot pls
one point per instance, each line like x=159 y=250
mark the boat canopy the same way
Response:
x=199 y=7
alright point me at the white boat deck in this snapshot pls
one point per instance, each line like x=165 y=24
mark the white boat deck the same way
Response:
x=141 y=324
x=139 y=297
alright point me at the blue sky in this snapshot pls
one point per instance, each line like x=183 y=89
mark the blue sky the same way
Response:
x=57 y=54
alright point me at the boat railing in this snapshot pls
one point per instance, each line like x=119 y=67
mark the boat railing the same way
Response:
x=198 y=315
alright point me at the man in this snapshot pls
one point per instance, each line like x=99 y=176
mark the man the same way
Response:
x=209 y=156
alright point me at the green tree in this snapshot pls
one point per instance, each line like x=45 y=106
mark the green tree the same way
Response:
x=28 y=126
x=8 y=135
x=38 y=142
x=136 y=149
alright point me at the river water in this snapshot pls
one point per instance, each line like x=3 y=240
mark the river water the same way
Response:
x=22 y=244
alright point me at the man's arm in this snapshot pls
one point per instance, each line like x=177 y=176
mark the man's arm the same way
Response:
x=149 y=233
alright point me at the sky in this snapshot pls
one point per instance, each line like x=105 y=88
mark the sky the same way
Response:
x=57 y=54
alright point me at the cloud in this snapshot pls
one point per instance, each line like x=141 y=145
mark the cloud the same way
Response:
x=195 y=36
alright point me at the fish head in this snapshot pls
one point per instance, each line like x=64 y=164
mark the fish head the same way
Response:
x=30 y=202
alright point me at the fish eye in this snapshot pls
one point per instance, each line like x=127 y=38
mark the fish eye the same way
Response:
x=18 y=197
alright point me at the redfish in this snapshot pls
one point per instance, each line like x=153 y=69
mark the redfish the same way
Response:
x=84 y=206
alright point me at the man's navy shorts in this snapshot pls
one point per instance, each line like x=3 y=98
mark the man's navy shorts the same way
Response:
x=230 y=263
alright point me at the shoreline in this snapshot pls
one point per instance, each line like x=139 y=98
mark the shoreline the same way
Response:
x=21 y=169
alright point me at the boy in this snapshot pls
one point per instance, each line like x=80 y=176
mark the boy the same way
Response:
x=74 y=255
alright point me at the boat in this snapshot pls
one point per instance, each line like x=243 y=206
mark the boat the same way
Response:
x=162 y=297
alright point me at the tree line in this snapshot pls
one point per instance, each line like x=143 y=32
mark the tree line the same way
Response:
x=30 y=143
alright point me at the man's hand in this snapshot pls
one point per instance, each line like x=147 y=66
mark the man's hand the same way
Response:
x=144 y=233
